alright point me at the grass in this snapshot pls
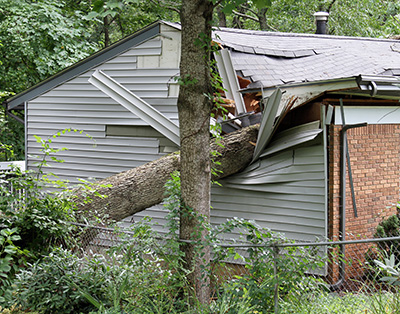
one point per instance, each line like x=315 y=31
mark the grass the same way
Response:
x=350 y=303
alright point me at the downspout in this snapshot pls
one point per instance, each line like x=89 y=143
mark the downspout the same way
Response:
x=342 y=195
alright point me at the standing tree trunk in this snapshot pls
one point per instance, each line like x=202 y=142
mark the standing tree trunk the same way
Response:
x=194 y=108
x=106 y=31
x=262 y=19
x=221 y=17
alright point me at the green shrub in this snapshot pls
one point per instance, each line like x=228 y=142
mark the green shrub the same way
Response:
x=10 y=258
x=389 y=227
x=269 y=267
x=15 y=310
x=36 y=217
x=52 y=285
x=137 y=274
x=39 y=216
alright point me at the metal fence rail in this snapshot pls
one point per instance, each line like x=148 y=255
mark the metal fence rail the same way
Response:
x=323 y=277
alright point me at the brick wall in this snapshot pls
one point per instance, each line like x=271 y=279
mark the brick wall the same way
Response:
x=375 y=164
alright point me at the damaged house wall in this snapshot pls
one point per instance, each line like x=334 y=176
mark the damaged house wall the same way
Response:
x=286 y=188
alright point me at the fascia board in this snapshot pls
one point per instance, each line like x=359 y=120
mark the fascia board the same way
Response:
x=85 y=65
x=136 y=105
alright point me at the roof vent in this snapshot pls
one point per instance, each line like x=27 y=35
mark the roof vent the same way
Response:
x=321 y=18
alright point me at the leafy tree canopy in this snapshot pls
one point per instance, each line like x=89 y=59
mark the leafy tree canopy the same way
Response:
x=368 y=18
x=39 y=38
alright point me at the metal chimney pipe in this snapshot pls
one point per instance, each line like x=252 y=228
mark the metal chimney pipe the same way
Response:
x=321 y=18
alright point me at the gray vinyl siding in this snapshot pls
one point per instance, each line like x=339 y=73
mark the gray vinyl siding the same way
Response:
x=287 y=197
x=285 y=192
x=77 y=104
x=293 y=204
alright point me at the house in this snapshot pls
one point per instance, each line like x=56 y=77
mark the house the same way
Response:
x=309 y=86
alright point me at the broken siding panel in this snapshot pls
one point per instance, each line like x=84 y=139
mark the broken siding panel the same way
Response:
x=287 y=166
x=82 y=93
x=289 y=199
x=136 y=105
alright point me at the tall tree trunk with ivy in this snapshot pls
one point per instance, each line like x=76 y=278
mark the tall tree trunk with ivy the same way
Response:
x=194 y=108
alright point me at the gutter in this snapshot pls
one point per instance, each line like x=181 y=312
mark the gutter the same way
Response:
x=8 y=113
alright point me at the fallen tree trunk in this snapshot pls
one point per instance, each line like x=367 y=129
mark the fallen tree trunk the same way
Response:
x=139 y=188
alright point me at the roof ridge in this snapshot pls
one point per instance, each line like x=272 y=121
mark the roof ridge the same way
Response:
x=278 y=34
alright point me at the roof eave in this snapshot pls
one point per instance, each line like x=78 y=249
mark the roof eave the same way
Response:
x=351 y=80
x=379 y=86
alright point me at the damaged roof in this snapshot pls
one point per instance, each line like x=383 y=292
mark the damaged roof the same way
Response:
x=268 y=59
x=272 y=59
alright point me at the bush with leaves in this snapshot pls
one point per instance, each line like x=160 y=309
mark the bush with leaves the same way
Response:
x=271 y=271
x=11 y=256
x=267 y=266
x=38 y=216
x=32 y=222
x=51 y=285
x=387 y=228
x=136 y=276
x=11 y=135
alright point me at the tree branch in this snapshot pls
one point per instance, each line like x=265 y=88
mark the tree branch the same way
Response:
x=246 y=16
x=166 y=6
x=249 y=17
x=330 y=6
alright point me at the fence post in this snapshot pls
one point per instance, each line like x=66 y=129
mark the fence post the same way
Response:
x=276 y=290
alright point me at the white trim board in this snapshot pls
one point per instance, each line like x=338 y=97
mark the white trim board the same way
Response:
x=371 y=115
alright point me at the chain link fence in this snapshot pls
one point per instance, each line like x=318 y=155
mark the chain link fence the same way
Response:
x=318 y=277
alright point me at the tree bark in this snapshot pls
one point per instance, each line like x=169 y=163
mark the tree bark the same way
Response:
x=194 y=109
x=221 y=17
x=137 y=189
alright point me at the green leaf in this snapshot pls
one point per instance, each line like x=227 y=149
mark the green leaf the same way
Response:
x=262 y=3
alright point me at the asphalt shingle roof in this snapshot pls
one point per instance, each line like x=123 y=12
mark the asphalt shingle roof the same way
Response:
x=271 y=59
